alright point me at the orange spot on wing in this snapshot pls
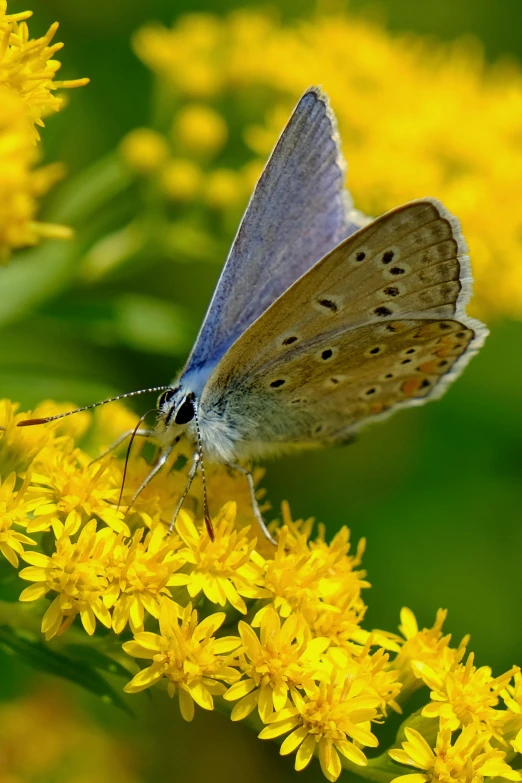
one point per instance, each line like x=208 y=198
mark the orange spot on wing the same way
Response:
x=411 y=386
x=429 y=367
x=376 y=407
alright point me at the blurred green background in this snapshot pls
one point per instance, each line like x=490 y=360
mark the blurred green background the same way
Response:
x=436 y=490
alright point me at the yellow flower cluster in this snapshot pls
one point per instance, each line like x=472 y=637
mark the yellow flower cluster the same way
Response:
x=27 y=85
x=274 y=634
x=417 y=118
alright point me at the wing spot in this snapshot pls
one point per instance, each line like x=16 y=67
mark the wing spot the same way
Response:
x=406 y=361
x=290 y=340
x=392 y=290
x=382 y=311
x=277 y=384
x=443 y=363
x=327 y=354
x=444 y=325
x=360 y=256
x=390 y=328
x=389 y=375
x=376 y=350
x=370 y=391
x=387 y=257
x=334 y=380
x=460 y=335
x=318 y=429
x=329 y=304
x=425 y=383
x=397 y=270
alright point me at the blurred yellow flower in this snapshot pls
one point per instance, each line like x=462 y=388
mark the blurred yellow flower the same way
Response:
x=144 y=150
x=200 y=129
x=469 y=759
x=188 y=655
x=223 y=188
x=284 y=657
x=417 y=117
x=181 y=179
x=76 y=573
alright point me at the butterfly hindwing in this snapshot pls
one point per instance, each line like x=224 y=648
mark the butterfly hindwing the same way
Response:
x=299 y=211
x=376 y=325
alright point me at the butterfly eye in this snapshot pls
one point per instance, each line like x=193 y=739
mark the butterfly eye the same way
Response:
x=166 y=397
x=186 y=411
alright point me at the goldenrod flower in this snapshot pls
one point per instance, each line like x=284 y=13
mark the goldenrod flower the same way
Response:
x=194 y=663
x=469 y=759
x=283 y=658
x=27 y=84
x=222 y=569
x=28 y=66
x=138 y=571
x=20 y=446
x=70 y=489
x=144 y=150
x=329 y=719
x=181 y=179
x=200 y=129
x=13 y=510
x=77 y=573
x=308 y=577
x=427 y=645
x=223 y=188
x=464 y=694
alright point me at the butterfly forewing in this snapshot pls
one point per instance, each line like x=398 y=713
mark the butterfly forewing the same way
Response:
x=377 y=324
x=299 y=211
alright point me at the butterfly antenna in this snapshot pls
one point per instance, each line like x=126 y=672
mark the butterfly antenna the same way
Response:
x=47 y=419
x=129 y=447
x=206 y=513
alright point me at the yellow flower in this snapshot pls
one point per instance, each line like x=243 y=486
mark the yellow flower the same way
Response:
x=382 y=682
x=27 y=84
x=76 y=572
x=222 y=569
x=181 y=179
x=13 y=510
x=310 y=577
x=223 y=188
x=28 y=66
x=464 y=694
x=70 y=489
x=283 y=658
x=20 y=184
x=427 y=645
x=193 y=661
x=20 y=446
x=469 y=760
x=144 y=150
x=138 y=572
x=512 y=717
x=330 y=719
x=200 y=128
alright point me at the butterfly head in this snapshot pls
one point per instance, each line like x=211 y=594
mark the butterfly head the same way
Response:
x=177 y=409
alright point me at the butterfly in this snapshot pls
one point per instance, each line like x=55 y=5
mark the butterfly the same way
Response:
x=322 y=320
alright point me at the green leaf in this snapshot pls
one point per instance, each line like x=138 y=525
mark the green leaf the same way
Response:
x=84 y=653
x=38 y=655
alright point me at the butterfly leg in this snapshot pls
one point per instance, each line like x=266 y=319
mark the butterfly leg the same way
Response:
x=255 y=506
x=142 y=433
x=154 y=472
x=190 y=478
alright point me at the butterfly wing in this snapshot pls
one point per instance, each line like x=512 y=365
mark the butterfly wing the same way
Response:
x=376 y=325
x=298 y=212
